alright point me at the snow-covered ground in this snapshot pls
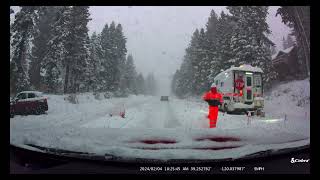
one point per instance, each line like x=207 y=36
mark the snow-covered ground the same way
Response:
x=177 y=129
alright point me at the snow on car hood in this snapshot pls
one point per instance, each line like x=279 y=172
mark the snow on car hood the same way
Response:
x=166 y=144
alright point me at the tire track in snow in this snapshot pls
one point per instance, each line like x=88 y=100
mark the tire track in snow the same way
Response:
x=158 y=114
x=172 y=121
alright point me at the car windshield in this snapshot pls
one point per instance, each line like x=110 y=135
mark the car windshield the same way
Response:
x=164 y=83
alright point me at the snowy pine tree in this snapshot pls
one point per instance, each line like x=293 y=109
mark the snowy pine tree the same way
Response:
x=129 y=76
x=64 y=68
x=55 y=62
x=211 y=26
x=120 y=51
x=22 y=34
x=79 y=48
x=191 y=66
x=96 y=80
x=106 y=63
x=225 y=29
x=151 y=84
x=47 y=15
x=212 y=64
x=185 y=79
x=174 y=82
x=112 y=58
x=249 y=42
x=114 y=45
x=140 y=83
x=203 y=63
x=298 y=18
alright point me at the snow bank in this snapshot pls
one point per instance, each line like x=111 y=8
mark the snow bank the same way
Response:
x=174 y=129
x=291 y=101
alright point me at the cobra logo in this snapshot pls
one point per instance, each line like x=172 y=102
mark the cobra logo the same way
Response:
x=293 y=160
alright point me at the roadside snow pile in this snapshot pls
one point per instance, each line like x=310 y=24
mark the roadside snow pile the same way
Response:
x=291 y=101
x=292 y=98
x=297 y=92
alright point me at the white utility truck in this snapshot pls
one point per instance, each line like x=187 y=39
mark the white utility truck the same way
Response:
x=242 y=89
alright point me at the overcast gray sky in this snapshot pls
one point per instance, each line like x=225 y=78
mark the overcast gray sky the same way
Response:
x=157 y=36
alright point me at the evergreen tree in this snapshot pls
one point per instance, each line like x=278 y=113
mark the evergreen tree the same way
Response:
x=65 y=66
x=120 y=51
x=298 y=18
x=114 y=45
x=185 y=81
x=111 y=57
x=54 y=71
x=151 y=85
x=22 y=34
x=249 y=42
x=96 y=80
x=203 y=63
x=191 y=66
x=79 y=49
x=212 y=62
x=106 y=63
x=174 y=82
x=226 y=26
x=42 y=36
x=130 y=75
x=211 y=26
x=140 y=84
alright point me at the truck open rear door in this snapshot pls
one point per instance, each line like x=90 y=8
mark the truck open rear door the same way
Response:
x=248 y=94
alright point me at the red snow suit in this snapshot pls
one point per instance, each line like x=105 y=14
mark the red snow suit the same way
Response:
x=213 y=98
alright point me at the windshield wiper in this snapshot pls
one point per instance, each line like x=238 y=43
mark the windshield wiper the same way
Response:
x=82 y=155
x=272 y=152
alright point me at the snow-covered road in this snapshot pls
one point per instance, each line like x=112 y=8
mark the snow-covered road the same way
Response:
x=175 y=129
x=147 y=113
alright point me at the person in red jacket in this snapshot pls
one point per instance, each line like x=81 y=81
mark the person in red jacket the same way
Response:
x=214 y=99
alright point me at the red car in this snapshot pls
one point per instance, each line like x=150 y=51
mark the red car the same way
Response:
x=28 y=102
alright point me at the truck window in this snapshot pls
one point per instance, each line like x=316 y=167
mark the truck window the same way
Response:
x=249 y=81
x=257 y=80
x=221 y=84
